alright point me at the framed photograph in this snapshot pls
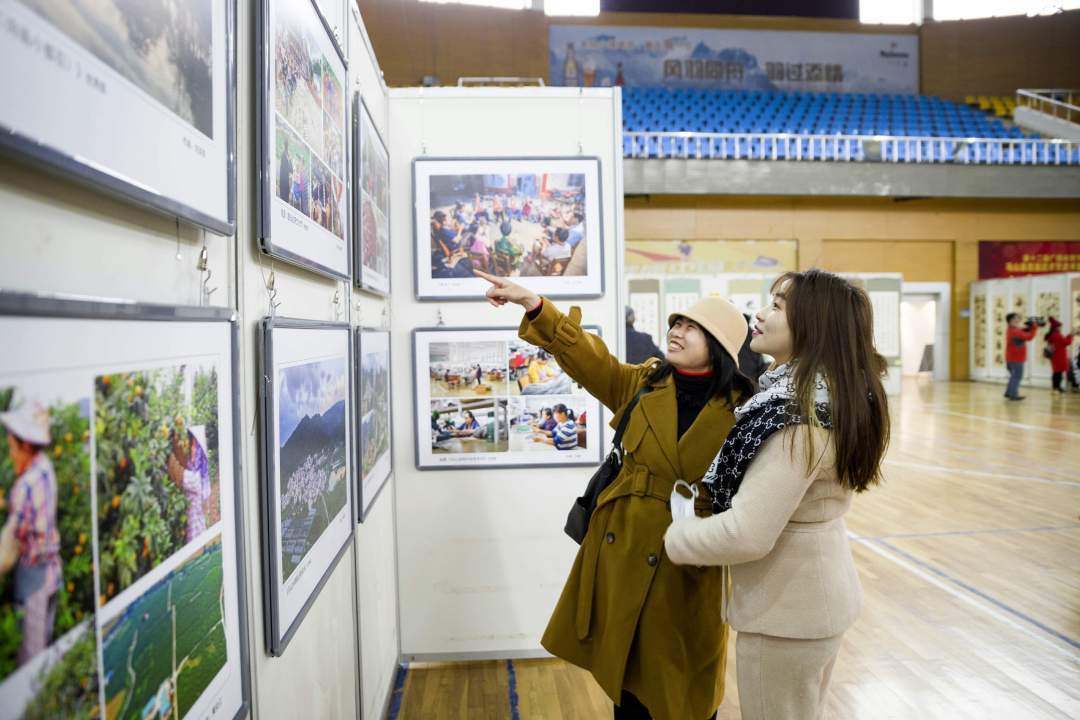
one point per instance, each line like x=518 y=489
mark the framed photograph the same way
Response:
x=158 y=78
x=375 y=463
x=537 y=220
x=303 y=197
x=306 y=427
x=120 y=472
x=371 y=190
x=485 y=398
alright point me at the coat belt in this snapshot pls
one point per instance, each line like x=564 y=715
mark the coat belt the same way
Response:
x=639 y=482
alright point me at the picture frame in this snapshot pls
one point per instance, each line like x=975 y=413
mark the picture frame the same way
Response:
x=551 y=207
x=139 y=433
x=303 y=197
x=168 y=150
x=480 y=378
x=305 y=430
x=332 y=13
x=371 y=203
x=374 y=403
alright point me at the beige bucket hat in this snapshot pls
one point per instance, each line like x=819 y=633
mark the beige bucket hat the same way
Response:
x=29 y=422
x=719 y=318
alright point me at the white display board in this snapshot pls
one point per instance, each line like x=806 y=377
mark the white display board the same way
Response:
x=980 y=346
x=1036 y=295
x=482 y=556
x=60 y=238
x=376 y=556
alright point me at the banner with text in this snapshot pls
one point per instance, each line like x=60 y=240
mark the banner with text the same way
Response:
x=592 y=55
x=1002 y=259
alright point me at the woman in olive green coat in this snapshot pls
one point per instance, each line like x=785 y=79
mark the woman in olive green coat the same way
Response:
x=648 y=630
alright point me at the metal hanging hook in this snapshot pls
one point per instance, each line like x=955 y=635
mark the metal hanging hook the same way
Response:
x=272 y=293
x=203 y=265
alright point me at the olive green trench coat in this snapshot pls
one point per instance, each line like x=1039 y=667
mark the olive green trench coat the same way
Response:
x=627 y=614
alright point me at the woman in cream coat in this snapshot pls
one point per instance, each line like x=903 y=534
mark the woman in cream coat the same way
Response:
x=781 y=484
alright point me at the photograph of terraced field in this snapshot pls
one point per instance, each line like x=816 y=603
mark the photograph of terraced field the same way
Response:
x=167 y=647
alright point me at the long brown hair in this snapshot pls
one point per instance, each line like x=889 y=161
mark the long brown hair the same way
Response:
x=832 y=334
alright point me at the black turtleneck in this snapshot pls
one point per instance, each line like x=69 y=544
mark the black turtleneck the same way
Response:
x=691 y=391
x=691 y=395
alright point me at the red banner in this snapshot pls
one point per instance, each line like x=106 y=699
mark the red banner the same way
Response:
x=1012 y=259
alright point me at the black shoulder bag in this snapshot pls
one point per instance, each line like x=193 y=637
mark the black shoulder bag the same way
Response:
x=577 y=521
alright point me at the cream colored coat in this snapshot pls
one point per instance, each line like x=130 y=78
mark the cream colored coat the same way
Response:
x=785 y=541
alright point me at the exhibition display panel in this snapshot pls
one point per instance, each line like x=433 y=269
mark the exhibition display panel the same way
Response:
x=494 y=400
x=306 y=432
x=303 y=199
x=371 y=200
x=159 y=79
x=537 y=220
x=121 y=450
x=375 y=462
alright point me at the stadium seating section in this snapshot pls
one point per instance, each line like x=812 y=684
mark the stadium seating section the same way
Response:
x=826 y=126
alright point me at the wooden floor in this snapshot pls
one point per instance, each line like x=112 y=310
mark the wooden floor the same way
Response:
x=970 y=561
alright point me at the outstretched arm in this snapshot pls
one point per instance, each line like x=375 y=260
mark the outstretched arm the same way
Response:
x=582 y=355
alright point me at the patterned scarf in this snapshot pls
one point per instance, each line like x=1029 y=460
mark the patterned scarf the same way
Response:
x=771 y=410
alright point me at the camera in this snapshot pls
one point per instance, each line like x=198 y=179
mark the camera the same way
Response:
x=1036 y=320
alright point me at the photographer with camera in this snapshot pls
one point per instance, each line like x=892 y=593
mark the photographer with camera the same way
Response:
x=1016 y=340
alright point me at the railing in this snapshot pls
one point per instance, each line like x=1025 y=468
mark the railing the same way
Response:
x=849 y=148
x=1058 y=103
x=500 y=81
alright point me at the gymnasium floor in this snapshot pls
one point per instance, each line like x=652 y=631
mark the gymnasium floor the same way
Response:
x=970 y=560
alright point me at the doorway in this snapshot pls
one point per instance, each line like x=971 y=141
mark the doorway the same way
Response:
x=924 y=330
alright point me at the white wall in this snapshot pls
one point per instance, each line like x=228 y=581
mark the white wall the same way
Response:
x=918 y=316
x=57 y=237
x=481 y=553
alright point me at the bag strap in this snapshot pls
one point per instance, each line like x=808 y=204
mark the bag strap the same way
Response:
x=616 y=443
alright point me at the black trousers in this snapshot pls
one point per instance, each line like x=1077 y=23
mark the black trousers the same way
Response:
x=1056 y=379
x=630 y=708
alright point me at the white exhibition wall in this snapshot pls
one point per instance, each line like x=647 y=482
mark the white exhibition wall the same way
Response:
x=62 y=238
x=481 y=553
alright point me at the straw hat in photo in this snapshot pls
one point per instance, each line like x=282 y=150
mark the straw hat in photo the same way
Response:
x=719 y=318
x=29 y=422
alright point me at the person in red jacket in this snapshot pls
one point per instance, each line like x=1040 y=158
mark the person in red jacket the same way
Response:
x=1059 y=361
x=1017 y=337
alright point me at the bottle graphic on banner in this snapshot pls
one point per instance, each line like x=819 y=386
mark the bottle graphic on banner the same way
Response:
x=570 y=67
x=619 y=80
x=588 y=74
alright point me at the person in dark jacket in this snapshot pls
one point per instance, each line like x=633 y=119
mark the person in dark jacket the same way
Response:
x=639 y=346
x=751 y=363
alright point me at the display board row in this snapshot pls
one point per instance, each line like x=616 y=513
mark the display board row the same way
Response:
x=159 y=79
x=122 y=575
x=1043 y=296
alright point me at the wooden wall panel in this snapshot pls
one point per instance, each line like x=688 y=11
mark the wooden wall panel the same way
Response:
x=995 y=56
x=926 y=240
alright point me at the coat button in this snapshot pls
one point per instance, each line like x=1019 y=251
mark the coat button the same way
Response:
x=652 y=560
x=610 y=537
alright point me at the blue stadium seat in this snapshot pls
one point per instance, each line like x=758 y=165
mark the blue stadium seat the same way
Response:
x=760 y=112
